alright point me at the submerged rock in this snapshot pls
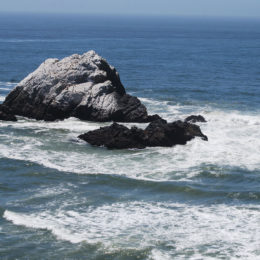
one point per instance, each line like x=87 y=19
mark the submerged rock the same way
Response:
x=7 y=114
x=84 y=86
x=157 y=133
x=195 y=119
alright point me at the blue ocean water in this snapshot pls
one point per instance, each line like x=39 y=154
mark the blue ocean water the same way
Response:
x=63 y=199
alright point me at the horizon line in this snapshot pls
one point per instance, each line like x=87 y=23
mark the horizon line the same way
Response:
x=144 y=15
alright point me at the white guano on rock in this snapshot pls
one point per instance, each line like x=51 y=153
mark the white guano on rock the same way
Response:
x=84 y=86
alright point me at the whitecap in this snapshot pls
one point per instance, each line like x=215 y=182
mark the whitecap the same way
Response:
x=8 y=83
x=6 y=89
x=234 y=141
x=232 y=231
x=28 y=40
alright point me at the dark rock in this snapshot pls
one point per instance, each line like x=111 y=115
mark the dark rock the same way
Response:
x=153 y=118
x=84 y=86
x=6 y=114
x=115 y=136
x=195 y=119
x=157 y=133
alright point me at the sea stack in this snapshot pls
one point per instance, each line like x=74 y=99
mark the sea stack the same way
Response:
x=84 y=86
x=157 y=133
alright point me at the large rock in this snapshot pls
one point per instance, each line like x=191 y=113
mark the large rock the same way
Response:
x=7 y=114
x=84 y=86
x=157 y=133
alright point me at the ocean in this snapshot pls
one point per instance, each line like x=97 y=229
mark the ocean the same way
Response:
x=61 y=198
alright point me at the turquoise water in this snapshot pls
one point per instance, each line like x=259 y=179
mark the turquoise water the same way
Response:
x=60 y=198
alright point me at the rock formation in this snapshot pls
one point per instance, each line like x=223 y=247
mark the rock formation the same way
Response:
x=157 y=133
x=7 y=114
x=195 y=119
x=84 y=86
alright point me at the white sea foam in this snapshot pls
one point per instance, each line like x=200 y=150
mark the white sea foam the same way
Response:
x=225 y=231
x=183 y=230
x=8 y=84
x=234 y=141
x=72 y=124
x=2 y=98
x=6 y=89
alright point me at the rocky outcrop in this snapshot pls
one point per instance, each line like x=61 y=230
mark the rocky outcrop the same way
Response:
x=84 y=86
x=195 y=119
x=157 y=133
x=7 y=114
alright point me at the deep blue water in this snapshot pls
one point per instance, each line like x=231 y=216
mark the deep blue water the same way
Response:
x=63 y=199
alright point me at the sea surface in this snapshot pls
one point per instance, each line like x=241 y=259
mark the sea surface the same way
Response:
x=61 y=198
